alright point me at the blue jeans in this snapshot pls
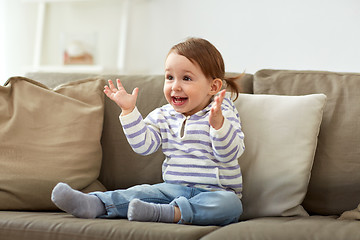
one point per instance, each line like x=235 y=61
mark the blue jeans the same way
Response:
x=197 y=206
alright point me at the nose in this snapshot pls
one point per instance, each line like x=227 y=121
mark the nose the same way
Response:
x=176 y=86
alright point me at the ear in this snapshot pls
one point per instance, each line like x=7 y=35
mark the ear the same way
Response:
x=216 y=86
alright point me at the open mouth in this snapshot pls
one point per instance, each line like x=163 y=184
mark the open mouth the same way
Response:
x=178 y=100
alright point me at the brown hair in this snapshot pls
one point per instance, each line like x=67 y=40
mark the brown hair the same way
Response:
x=209 y=59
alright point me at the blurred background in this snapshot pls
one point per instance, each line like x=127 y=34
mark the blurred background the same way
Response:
x=134 y=36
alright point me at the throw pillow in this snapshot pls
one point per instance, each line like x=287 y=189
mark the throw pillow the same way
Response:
x=48 y=136
x=335 y=180
x=280 y=140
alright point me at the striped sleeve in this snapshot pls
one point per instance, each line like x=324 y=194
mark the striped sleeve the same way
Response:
x=228 y=141
x=144 y=139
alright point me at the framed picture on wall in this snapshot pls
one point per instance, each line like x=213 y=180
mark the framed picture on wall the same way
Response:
x=79 y=48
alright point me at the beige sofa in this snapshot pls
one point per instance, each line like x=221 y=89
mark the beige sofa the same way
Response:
x=300 y=167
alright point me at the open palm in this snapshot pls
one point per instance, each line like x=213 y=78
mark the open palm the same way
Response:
x=119 y=95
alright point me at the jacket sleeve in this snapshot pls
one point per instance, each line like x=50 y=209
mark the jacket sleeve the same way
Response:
x=143 y=138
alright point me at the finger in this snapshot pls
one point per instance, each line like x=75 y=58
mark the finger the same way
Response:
x=119 y=84
x=222 y=95
x=215 y=107
x=107 y=91
x=218 y=101
x=112 y=86
x=135 y=92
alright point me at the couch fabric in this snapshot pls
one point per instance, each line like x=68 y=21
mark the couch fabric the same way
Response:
x=285 y=228
x=121 y=168
x=335 y=184
x=48 y=136
x=287 y=127
x=55 y=225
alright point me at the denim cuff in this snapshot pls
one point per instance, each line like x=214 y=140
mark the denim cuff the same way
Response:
x=111 y=210
x=185 y=209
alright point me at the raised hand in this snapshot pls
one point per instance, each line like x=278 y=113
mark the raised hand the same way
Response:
x=119 y=95
x=216 y=119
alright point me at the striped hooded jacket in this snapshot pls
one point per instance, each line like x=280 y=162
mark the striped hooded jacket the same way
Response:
x=197 y=155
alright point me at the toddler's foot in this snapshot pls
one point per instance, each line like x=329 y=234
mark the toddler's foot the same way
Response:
x=77 y=203
x=150 y=212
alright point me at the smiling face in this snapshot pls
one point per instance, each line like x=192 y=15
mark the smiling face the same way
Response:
x=186 y=87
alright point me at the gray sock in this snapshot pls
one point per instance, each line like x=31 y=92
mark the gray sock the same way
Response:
x=77 y=203
x=150 y=212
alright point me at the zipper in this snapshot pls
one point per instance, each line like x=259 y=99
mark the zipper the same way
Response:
x=182 y=129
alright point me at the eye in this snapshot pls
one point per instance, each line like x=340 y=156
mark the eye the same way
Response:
x=169 y=77
x=187 y=78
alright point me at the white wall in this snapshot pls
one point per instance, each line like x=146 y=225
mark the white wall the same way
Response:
x=2 y=43
x=251 y=34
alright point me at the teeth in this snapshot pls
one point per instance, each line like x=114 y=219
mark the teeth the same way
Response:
x=178 y=99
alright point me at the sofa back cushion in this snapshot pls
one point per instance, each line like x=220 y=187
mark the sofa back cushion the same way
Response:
x=121 y=166
x=47 y=136
x=335 y=181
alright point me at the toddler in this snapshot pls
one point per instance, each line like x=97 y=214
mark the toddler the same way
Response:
x=200 y=134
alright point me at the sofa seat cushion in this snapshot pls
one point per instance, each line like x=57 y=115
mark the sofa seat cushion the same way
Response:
x=54 y=225
x=294 y=228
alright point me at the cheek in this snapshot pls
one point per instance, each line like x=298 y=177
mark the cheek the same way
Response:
x=166 y=90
